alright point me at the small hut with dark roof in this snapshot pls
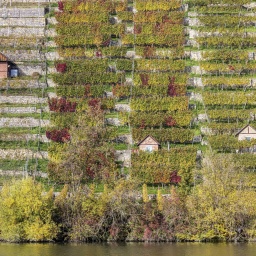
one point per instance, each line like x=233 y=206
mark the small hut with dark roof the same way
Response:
x=149 y=144
x=3 y=66
x=246 y=133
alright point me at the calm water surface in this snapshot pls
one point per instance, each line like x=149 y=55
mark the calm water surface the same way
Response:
x=130 y=249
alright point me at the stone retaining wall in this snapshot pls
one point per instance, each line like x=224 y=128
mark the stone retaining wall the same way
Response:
x=196 y=97
x=195 y=81
x=16 y=83
x=23 y=110
x=18 y=110
x=202 y=117
x=23 y=22
x=122 y=107
x=22 y=154
x=206 y=130
x=14 y=42
x=51 y=83
x=23 y=122
x=29 y=69
x=51 y=20
x=23 y=55
x=52 y=56
x=22 y=100
x=125 y=138
x=23 y=137
x=22 y=12
x=22 y=173
x=51 y=44
x=112 y=121
x=51 y=70
x=21 y=31
x=50 y=32
x=124 y=156
x=197 y=70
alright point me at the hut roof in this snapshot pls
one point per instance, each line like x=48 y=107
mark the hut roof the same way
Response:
x=148 y=136
x=247 y=126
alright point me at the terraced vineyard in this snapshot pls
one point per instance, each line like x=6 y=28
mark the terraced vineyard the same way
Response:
x=222 y=42
x=128 y=64
x=182 y=72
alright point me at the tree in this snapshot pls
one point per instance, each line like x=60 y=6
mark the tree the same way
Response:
x=145 y=193
x=87 y=157
x=186 y=179
x=223 y=206
x=26 y=213
x=159 y=199
x=88 y=216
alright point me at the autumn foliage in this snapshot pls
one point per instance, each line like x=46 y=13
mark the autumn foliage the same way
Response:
x=60 y=6
x=61 y=67
x=61 y=105
x=175 y=178
x=170 y=121
x=58 y=135
x=172 y=90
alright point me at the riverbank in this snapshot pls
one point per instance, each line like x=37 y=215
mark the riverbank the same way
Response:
x=214 y=210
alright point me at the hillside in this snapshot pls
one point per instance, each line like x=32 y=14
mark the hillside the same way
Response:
x=96 y=78
x=137 y=116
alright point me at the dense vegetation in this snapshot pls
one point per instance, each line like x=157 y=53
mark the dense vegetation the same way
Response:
x=221 y=207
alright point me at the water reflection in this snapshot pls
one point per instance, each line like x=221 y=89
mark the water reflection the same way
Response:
x=130 y=249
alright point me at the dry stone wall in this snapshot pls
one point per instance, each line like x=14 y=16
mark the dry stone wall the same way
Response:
x=23 y=137
x=23 y=55
x=22 y=154
x=22 y=173
x=18 y=83
x=21 y=31
x=18 y=110
x=28 y=69
x=22 y=12
x=23 y=122
x=124 y=156
x=22 y=99
x=24 y=22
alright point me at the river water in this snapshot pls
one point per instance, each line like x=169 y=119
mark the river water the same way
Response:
x=130 y=249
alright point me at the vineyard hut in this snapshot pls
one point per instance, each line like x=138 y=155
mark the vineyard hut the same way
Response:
x=149 y=144
x=246 y=133
x=3 y=66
